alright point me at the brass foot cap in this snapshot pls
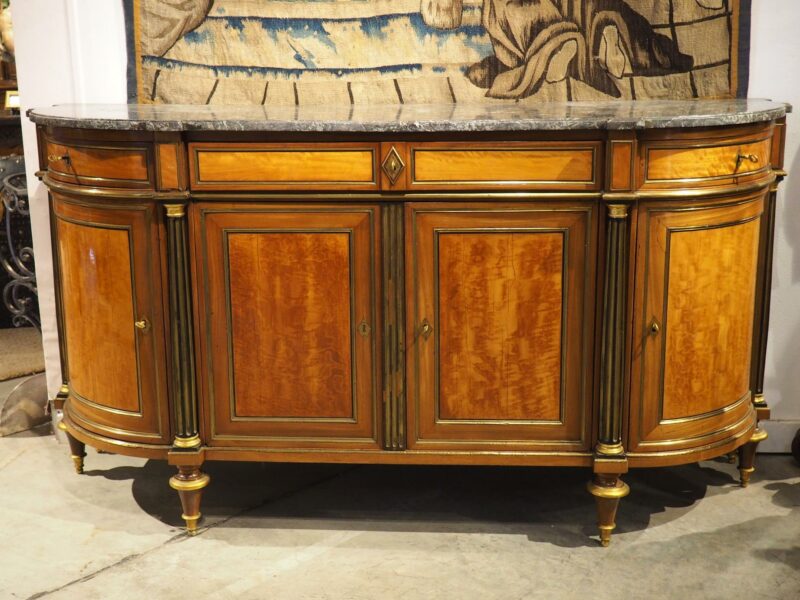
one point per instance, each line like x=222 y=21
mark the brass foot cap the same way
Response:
x=191 y=523
x=745 y=476
x=78 y=462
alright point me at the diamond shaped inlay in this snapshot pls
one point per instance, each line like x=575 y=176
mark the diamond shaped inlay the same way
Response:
x=393 y=165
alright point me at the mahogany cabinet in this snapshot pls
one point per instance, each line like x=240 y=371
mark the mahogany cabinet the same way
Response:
x=509 y=289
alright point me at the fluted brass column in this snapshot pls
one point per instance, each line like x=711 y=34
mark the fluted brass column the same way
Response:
x=610 y=462
x=394 y=328
x=184 y=393
x=612 y=369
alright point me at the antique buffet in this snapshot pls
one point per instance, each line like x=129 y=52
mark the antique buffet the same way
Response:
x=580 y=285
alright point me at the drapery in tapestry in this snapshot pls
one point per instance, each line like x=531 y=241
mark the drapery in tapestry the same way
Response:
x=429 y=51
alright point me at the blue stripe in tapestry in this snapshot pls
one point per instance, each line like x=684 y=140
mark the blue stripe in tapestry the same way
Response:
x=286 y=44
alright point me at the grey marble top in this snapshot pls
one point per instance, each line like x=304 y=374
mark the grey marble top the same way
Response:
x=433 y=118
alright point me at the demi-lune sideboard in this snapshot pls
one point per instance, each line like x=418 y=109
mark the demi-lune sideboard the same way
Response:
x=575 y=285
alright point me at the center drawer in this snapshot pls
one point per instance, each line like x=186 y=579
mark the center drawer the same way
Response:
x=255 y=166
x=537 y=165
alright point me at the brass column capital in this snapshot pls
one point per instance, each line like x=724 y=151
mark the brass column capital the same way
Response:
x=175 y=211
x=618 y=211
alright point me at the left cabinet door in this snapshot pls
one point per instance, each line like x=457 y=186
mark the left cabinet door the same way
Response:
x=289 y=324
x=109 y=268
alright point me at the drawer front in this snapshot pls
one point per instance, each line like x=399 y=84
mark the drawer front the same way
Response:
x=508 y=165
x=100 y=165
x=283 y=166
x=670 y=164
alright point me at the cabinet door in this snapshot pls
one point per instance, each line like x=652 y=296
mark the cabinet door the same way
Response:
x=288 y=324
x=693 y=323
x=500 y=326
x=109 y=259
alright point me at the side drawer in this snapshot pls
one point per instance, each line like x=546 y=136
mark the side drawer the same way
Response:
x=250 y=166
x=710 y=161
x=101 y=164
x=508 y=165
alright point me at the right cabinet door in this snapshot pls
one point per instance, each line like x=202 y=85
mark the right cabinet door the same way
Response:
x=693 y=323
x=500 y=326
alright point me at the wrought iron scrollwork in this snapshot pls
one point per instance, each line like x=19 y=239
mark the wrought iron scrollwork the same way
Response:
x=20 y=293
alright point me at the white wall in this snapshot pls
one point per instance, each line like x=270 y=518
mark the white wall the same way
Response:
x=74 y=51
x=67 y=51
x=775 y=73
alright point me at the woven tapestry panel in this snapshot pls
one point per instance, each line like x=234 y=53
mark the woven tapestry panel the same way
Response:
x=430 y=51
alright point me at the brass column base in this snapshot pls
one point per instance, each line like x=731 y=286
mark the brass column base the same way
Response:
x=607 y=490
x=747 y=456
x=189 y=483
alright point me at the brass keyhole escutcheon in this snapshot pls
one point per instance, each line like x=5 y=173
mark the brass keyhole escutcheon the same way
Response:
x=425 y=329
x=740 y=158
x=655 y=328
x=393 y=165
x=142 y=325
x=363 y=328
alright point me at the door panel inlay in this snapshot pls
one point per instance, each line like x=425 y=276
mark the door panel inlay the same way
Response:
x=99 y=314
x=290 y=309
x=709 y=318
x=500 y=322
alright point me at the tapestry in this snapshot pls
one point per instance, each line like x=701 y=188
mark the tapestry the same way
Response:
x=302 y=52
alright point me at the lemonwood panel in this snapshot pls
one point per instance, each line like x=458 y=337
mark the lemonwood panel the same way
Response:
x=500 y=317
x=291 y=324
x=288 y=325
x=711 y=296
x=99 y=165
x=502 y=165
x=693 y=322
x=170 y=158
x=98 y=314
x=507 y=293
x=257 y=166
x=700 y=163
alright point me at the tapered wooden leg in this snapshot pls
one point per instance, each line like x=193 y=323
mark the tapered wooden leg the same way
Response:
x=747 y=455
x=607 y=490
x=76 y=448
x=189 y=483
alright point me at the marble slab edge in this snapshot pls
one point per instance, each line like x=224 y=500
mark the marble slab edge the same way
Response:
x=458 y=119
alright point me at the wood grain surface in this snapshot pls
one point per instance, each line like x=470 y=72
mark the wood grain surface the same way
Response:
x=287 y=287
x=98 y=314
x=507 y=290
x=500 y=319
x=715 y=161
x=271 y=166
x=433 y=164
x=290 y=310
x=694 y=315
x=709 y=318
x=85 y=163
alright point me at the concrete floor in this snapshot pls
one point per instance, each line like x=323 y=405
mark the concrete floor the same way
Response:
x=326 y=532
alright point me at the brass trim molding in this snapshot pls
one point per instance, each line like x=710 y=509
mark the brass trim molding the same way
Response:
x=71 y=189
x=189 y=485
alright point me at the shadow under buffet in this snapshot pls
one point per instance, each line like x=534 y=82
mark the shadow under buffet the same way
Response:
x=578 y=295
